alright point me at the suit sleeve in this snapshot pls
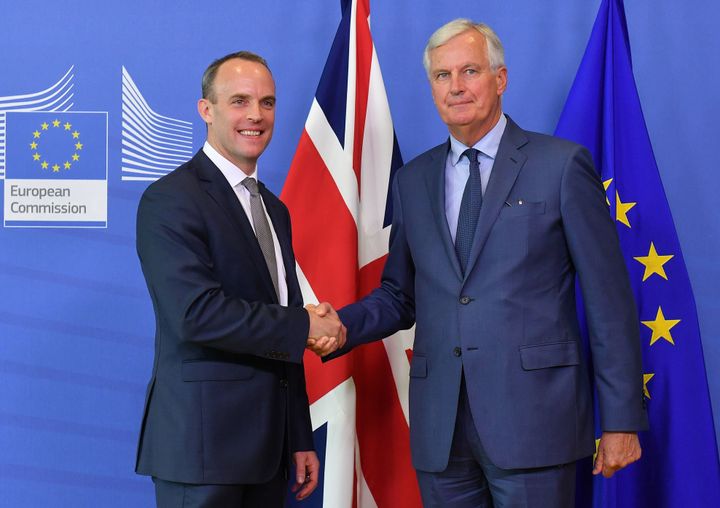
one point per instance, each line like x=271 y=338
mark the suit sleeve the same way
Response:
x=610 y=309
x=390 y=307
x=173 y=248
x=300 y=433
x=301 y=438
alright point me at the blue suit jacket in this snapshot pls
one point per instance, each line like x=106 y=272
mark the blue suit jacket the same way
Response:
x=227 y=393
x=510 y=323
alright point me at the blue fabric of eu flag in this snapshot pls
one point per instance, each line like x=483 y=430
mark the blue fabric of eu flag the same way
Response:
x=52 y=145
x=679 y=464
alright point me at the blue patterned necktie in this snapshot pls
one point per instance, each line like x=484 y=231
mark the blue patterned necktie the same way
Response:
x=469 y=209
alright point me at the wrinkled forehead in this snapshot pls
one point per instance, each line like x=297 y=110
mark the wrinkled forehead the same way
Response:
x=465 y=47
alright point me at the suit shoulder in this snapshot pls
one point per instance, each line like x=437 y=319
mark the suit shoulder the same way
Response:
x=557 y=155
x=180 y=178
x=177 y=193
x=553 y=143
x=424 y=162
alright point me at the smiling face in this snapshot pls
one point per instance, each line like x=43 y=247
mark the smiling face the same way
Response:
x=466 y=90
x=240 y=112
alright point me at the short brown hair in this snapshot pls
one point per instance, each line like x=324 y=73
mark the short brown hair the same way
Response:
x=208 y=78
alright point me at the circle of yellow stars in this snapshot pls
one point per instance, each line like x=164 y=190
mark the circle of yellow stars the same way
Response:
x=55 y=165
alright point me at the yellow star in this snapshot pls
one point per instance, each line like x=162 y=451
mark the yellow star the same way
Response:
x=33 y=145
x=36 y=134
x=621 y=210
x=56 y=123
x=67 y=165
x=75 y=157
x=44 y=126
x=661 y=327
x=606 y=184
x=654 y=263
x=597 y=445
x=36 y=156
x=78 y=146
x=646 y=379
x=44 y=164
x=56 y=168
x=76 y=134
x=67 y=126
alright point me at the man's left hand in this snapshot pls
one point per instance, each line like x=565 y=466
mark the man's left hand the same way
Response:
x=307 y=468
x=615 y=451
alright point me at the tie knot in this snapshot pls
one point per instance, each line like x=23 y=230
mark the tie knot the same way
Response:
x=471 y=154
x=251 y=185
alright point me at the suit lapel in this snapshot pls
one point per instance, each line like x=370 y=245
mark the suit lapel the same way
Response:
x=509 y=160
x=220 y=191
x=279 y=220
x=435 y=183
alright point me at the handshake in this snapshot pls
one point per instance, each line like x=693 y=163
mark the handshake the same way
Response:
x=327 y=333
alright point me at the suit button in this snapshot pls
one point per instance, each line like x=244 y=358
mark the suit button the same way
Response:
x=465 y=300
x=283 y=383
x=457 y=351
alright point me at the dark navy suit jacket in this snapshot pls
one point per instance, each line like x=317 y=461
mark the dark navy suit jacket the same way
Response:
x=510 y=322
x=227 y=395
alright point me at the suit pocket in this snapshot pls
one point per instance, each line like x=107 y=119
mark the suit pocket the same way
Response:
x=544 y=356
x=202 y=370
x=418 y=366
x=521 y=208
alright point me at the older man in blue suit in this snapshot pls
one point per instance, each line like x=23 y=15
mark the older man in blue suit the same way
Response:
x=490 y=230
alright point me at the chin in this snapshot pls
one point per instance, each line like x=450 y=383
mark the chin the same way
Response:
x=460 y=122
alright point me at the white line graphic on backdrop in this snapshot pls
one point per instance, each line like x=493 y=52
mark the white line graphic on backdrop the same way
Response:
x=56 y=98
x=152 y=144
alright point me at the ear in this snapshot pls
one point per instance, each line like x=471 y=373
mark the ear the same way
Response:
x=205 y=110
x=501 y=80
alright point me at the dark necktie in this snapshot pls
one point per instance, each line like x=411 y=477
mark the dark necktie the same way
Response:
x=262 y=230
x=469 y=209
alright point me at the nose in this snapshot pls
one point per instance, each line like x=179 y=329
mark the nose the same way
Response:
x=456 y=84
x=253 y=112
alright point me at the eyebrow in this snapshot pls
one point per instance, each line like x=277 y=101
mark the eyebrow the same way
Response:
x=239 y=96
x=248 y=96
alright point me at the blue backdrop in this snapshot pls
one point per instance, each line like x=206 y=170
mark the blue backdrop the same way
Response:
x=76 y=324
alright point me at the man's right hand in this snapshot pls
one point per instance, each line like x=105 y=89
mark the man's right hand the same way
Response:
x=327 y=332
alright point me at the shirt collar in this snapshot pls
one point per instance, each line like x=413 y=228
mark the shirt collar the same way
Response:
x=488 y=144
x=233 y=174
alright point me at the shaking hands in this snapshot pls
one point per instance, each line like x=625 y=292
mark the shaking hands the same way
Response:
x=327 y=332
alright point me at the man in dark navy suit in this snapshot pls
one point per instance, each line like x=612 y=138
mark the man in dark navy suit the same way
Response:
x=490 y=230
x=226 y=410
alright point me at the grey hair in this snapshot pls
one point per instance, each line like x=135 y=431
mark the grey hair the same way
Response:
x=496 y=53
x=208 y=78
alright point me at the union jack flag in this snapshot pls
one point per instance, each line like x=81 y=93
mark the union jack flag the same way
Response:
x=337 y=191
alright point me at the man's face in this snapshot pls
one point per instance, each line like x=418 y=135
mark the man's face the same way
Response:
x=240 y=119
x=465 y=89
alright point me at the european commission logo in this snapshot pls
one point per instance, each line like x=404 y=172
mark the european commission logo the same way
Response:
x=55 y=161
x=55 y=169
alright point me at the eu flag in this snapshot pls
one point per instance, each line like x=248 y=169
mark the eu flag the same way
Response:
x=679 y=466
x=53 y=145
